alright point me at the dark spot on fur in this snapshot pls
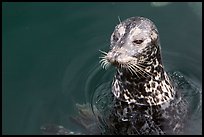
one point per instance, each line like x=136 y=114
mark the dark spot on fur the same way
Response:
x=153 y=84
x=149 y=67
x=154 y=62
x=159 y=88
x=148 y=79
x=141 y=87
x=165 y=97
x=158 y=68
x=155 y=74
x=156 y=93
x=167 y=82
x=166 y=94
x=166 y=87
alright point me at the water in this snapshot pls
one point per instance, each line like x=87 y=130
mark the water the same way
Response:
x=50 y=57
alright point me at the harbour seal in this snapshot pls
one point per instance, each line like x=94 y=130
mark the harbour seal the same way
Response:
x=145 y=100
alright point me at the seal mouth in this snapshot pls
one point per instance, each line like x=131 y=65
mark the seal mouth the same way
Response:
x=134 y=65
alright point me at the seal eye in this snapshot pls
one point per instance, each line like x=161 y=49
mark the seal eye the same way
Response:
x=115 y=38
x=137 y=41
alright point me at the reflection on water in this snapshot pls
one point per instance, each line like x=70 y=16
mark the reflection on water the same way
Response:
x=51 y=58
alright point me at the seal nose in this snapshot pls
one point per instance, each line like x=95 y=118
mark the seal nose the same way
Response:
x=112 y=56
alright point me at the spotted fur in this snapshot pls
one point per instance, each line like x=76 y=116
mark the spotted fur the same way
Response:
x=145 y=101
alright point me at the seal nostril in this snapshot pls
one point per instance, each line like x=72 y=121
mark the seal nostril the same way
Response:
x=137 y=41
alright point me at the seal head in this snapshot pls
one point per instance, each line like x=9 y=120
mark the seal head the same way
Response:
x=131 y=40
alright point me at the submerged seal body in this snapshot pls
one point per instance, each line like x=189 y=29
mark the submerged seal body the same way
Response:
x=145 y=100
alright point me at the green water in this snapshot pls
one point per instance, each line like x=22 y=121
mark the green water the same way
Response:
x=50 y=55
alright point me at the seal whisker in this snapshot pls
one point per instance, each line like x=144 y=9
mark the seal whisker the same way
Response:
x=140 y=66
x=103 y=62
x=143 y=69
x=119 y=19
x=140 y=69
x=103 y=52
x=143 y=72
x=107 y=64
x=130 y=69
x=103 y=59
x=134 y=69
